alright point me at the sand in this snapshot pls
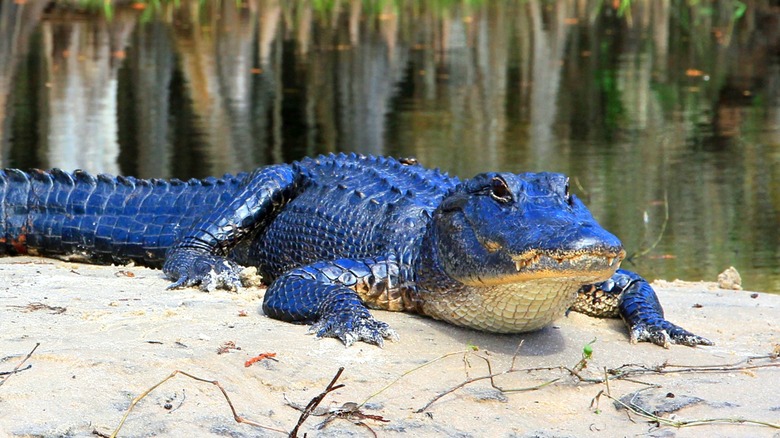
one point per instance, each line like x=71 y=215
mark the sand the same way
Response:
x=107 y=334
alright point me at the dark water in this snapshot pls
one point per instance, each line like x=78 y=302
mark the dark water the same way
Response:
x=666 y=106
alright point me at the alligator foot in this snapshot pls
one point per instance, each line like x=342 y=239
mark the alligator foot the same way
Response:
x=664 y=333
x=324 y=294
x=191 y=268
x=351 y=327
x=642 y=312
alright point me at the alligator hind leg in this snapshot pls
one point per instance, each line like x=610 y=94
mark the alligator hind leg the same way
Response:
x=200 y=256
x=630 y=297
x=326 y=295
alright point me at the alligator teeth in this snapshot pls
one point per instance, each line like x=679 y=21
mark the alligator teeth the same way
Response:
x=611 y=260
x=518 y=265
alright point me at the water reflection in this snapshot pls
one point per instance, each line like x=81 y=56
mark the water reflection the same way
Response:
x=667 y=100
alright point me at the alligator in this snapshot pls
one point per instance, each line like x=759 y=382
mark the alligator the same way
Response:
x=335 y=235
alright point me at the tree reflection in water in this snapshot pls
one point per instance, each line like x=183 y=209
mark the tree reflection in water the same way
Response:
x=663 y=99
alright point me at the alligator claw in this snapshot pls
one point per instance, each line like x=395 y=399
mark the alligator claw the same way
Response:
x=209 y=271
x=691 y=340
x=180 y=283
x=666 y=334
x=350 y=330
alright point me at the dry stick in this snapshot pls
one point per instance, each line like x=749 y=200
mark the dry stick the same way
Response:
x=409 y=372
x=617 y=375
x=316 y=401
x=491 y=375
x=237 y=417
x=685 y=423
x=636 y=410
x=369 y=428
x=406 y=373
x=625 y=370
x=511 y=369
x=16 y=370
x=6 y=373
x=679 y=424
x=476 y=379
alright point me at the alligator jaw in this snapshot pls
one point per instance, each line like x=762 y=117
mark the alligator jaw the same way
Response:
x=523 y=262
x=528 y=293
x=585 y=266
x=582 y=267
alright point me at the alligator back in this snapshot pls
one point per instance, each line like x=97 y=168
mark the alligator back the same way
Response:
x=351 y=207
x=101 y=219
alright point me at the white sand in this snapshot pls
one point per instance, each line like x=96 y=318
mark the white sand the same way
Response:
x=120 y=334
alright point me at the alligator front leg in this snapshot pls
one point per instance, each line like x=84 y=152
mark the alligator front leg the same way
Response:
x=630 y=297
x=200 y=256
x=332 y=296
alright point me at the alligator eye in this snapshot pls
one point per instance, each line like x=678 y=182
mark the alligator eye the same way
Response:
x=499 y=190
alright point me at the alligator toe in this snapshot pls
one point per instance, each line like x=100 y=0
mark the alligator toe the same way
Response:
x=663 y=333
x=353 y=328
x=192 y=268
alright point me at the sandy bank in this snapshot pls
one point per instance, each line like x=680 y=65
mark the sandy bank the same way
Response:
x=107 y=334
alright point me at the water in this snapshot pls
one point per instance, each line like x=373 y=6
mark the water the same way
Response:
x=666 y=115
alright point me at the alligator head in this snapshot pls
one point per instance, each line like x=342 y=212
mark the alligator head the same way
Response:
x=518 y=247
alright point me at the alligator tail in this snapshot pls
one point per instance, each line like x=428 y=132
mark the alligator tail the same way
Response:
x=101 y=219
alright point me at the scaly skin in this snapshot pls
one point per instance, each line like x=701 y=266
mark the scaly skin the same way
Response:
x=335 y=235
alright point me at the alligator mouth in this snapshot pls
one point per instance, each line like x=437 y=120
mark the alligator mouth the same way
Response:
x=589 y=265
x=583 y=267
x=530 y=260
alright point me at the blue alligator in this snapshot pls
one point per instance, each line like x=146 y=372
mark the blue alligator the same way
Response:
x=335 y=235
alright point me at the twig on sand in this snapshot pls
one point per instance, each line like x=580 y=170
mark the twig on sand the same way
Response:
x=349 y=411
x=627 y=372
x=624 y=372
x=574 y=371
x=679 y=423
x=750 y=363
x=406 y=373
x=316 y=401
x=238 y=418
x=18 y=367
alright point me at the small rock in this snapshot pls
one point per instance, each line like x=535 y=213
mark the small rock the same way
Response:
x=730 y=279
x=657 y=402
